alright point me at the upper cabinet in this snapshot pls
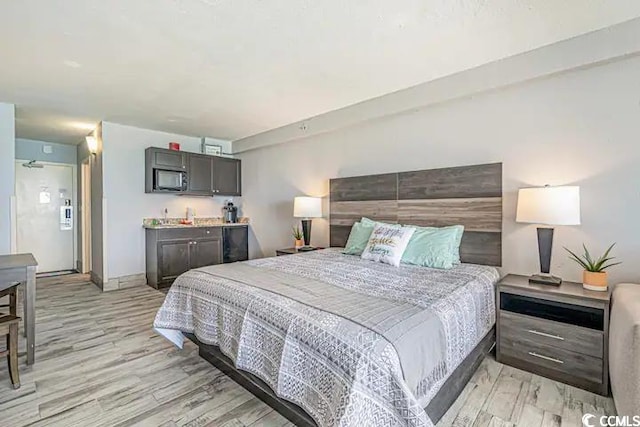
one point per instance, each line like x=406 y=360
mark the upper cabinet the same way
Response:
x=201 y=175
x=227 y=178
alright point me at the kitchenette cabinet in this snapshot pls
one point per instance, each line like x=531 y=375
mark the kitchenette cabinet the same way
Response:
x=205 y=175
x=200 y=175
x=171 y=251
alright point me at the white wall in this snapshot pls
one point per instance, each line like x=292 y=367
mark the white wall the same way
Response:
x=580 y=127
x=7 y=173
x=29 y=149
x=127 y=203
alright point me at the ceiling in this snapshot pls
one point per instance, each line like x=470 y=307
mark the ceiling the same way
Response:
x=233 y=68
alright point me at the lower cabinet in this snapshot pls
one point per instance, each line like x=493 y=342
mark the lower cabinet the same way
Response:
x=173 y=251
x=205 y=252
x=173 y=259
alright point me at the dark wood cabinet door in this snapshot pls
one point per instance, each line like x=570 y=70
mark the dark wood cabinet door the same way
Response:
x=170 y=159
x=227 y=176
x=236 y=244
x=206 y=252
x=173 y=259
x=200 y=176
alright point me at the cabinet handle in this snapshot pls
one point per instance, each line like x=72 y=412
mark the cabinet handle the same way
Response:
x=544 y=334
x=550 y=359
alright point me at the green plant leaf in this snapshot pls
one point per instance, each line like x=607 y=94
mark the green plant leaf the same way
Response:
x=577 y=259
x=609 y=265
x=591 y=264
x=602 y=261
x=587 y=256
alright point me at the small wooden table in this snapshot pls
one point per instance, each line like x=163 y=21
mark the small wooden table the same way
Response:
x=22 y=268
x=560 y=332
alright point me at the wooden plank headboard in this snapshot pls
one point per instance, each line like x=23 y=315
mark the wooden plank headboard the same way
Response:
x=466 y=195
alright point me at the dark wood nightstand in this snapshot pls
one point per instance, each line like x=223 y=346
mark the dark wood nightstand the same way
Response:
x=291 y=251
x=558 y=332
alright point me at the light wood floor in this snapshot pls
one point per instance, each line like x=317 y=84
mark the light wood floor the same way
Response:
x=99 y=363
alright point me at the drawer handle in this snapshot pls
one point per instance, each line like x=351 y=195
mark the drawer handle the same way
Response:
x=551 y=359
x=555 y=337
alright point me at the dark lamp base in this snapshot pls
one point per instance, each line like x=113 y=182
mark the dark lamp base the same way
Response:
x=545 y=279
x=306 y=248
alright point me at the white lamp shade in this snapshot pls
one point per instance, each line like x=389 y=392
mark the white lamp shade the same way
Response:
x=307 y=207
x=549 y=205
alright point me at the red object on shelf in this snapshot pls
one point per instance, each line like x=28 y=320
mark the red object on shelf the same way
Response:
x=174 y=146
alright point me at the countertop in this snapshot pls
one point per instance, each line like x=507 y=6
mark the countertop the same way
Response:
x=199 y=222
x=165 y=226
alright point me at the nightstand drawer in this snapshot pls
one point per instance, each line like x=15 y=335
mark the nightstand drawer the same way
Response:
x=556 y=359
x=536 y=331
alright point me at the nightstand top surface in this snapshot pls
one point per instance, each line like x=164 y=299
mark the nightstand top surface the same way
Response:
x=295 y=250
x=566 y=289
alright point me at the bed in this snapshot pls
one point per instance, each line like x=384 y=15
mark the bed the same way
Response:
x=330 y=339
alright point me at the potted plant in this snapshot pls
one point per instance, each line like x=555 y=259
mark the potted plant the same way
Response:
x=594 y=276
x=297 y=235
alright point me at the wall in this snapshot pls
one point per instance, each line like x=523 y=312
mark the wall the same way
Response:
x=7 y=175
x=28 y=149
x=98 y=214
x=128 y=204
x=579 y=127
x=82 y=153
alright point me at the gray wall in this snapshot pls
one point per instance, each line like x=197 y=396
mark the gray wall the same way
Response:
x=98 y=267
x=29 y=149
x=7 y=173
x=579 y=127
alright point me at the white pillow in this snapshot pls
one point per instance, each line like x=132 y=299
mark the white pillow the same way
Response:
x=387 y=243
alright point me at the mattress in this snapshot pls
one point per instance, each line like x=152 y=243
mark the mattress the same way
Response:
x=353 y=342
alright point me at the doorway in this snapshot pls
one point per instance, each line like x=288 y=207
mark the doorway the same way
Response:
x=45 y=204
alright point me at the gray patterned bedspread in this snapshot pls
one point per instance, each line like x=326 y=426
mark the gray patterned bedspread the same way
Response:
x=353 y=342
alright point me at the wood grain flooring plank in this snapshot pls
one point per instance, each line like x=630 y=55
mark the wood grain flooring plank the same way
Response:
x=247 y=413
x=530 y=416
x=225 y=395
x=504 y=395
x=272 y=419
x=571 y=413
x=451 y=414
x=472 y=406
x=546 y=394
x=84 y=414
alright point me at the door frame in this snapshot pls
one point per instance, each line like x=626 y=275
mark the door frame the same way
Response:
x=84 y=262
x=74 y=191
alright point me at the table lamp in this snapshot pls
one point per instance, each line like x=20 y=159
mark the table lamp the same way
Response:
x=307 y=208
x=548 y=206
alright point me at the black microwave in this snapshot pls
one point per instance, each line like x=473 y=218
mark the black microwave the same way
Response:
x=169 y=180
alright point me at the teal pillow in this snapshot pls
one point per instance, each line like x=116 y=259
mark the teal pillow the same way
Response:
x=457 y=242
x=434 y=247
x=358 y=238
